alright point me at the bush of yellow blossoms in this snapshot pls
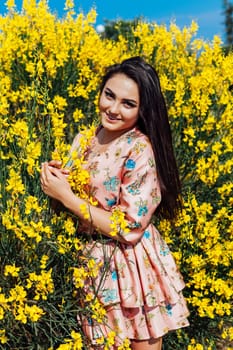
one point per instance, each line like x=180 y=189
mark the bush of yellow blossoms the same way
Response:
x=49 y=74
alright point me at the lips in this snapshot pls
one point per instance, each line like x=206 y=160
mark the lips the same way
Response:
x=110 y=117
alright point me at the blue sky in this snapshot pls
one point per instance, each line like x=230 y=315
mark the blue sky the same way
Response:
x=207 y=13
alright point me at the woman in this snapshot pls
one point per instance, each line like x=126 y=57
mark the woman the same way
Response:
x=141 y=288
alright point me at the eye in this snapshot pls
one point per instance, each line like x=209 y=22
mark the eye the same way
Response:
x=129 y=104
x=108 y=94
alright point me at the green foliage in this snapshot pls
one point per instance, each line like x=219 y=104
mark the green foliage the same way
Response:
x=49 y=73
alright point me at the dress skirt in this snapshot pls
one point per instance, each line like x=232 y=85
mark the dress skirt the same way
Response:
x=140 y=288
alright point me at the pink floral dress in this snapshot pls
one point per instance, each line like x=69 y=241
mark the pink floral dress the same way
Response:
x=139 y=283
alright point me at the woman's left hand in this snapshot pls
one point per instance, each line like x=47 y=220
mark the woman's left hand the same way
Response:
x=53 y=182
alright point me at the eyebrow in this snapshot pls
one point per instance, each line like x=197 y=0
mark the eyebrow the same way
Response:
x=124 y=99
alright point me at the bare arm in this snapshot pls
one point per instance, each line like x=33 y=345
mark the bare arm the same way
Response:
x=56 y=186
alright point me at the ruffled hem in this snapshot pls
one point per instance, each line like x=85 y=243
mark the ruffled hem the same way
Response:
x=139 y=323
x=144 y=274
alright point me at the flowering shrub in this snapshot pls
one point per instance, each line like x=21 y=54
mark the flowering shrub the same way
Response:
x=49 y=74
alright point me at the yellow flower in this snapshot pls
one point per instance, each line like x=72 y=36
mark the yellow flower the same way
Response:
x=93 y=267
x=100 y=340
x=33 y=152
x=85 y=210
x=110 y=340
x=69 y=4
x=17 y=294
x=79 y=276
x=189 y=135
x=125 y=345
x=20 y=130
x=78 y=115
x=14 y=183
x=43 y=261
x=43 y=284
x=119 y=226
x=2 y=313
x=98 y=311
x=59 y=103
x=31 y=203
x=11 y=270
x=89 y=297
x=69 y=226
x=77 y=340
x=3 y=337
x=34 y=313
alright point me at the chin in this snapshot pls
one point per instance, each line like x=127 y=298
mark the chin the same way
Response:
x=111 y=126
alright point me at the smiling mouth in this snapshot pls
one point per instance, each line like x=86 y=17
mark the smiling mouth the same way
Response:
x=112 y=118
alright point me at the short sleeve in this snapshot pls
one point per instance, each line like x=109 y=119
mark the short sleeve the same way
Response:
x=139 y=192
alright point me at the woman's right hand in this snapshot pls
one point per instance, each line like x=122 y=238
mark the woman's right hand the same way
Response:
x=55 y=204
x=58 y=165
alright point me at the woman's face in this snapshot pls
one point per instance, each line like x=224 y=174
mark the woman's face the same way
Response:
x=119 y=103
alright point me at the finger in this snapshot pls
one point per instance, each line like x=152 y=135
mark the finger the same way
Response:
x=46 y=173
x=65 y=171
x=42 y=181
x=42 y=173
x=54 y=172
x=46 y=177
x=55 y=163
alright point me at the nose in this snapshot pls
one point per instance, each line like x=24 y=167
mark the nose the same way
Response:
x=114 y=108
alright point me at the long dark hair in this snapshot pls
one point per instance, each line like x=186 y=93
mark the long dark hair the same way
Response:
x=153 y=121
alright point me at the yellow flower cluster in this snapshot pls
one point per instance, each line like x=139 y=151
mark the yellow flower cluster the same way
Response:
x=119 y=226
x=88 y=270
x=109 y=341
x=17 y=304
x=98 y=311
x=78 y=176
x=50 y=71
x=66 y=239
x=75 y=343
x=42 y=283
x=74 y=161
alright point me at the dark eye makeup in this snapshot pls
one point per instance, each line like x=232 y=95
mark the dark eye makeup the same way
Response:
x=109 y=93
x=128 y=103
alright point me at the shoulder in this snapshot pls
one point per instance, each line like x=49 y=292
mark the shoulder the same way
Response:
x=137 y=142
x=133 y=136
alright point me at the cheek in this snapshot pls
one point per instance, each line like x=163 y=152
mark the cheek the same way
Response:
x=131 y=116
x=100 y=102
x=103 y=102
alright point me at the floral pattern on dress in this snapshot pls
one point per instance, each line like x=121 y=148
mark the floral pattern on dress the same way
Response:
x=139 y=283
